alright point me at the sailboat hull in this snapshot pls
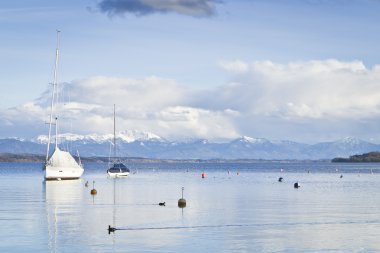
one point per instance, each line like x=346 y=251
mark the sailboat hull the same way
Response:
x=62 y=173
x=62 y=165
x=117 y=174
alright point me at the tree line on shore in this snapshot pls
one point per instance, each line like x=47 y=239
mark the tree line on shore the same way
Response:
x=371 y=157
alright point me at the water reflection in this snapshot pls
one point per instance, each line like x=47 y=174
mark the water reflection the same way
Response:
x=63 y=209
x=251 y=212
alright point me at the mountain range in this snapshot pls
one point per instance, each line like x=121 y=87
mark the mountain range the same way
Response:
x=149 y=145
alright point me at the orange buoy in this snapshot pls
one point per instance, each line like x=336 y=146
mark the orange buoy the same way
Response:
x=203 y=175
x=93 y=191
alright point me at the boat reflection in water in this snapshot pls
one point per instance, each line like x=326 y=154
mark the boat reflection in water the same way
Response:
x=64 y=210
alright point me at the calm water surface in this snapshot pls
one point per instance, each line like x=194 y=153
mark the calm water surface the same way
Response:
x=226 y=212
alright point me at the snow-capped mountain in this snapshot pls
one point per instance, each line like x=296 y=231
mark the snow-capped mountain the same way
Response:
x=344 y=147
x=251 y=140
x=149 y=145
x=125 y=136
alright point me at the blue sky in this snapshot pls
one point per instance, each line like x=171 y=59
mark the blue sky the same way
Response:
x=217 y=56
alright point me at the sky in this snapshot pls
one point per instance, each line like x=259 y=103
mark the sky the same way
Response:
x=299 y=70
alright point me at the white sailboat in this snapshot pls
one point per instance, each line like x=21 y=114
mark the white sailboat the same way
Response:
x=118 y=169
x=60 y=165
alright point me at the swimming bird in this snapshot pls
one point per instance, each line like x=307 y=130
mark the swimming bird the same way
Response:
x=296 y=185
x=280 y=179
x=111 y=229
x=161 y=204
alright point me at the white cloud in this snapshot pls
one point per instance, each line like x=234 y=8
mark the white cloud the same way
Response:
x=314 y=89
x=303 y=95
x=302 y=101
x=197 y=122
x=148 y=93
x=152 y=104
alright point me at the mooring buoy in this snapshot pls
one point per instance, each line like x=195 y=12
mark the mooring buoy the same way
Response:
x=93 y=191
x=182 y=201
x=203 y=175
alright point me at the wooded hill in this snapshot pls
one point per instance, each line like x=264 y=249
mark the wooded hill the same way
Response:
x=371 y=157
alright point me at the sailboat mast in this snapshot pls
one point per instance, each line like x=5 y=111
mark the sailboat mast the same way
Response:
x=56 y=132
x=114 y=131
x=53 y=98
x=56 y=87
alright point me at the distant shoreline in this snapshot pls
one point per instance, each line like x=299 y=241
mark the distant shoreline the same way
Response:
x=371 y=157
x=38 y=158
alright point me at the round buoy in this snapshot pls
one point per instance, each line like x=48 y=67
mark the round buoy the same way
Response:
x=182 y=203
x=203 y=175
x=93 y=191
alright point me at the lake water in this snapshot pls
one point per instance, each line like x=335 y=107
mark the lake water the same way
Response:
x=225 y=212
